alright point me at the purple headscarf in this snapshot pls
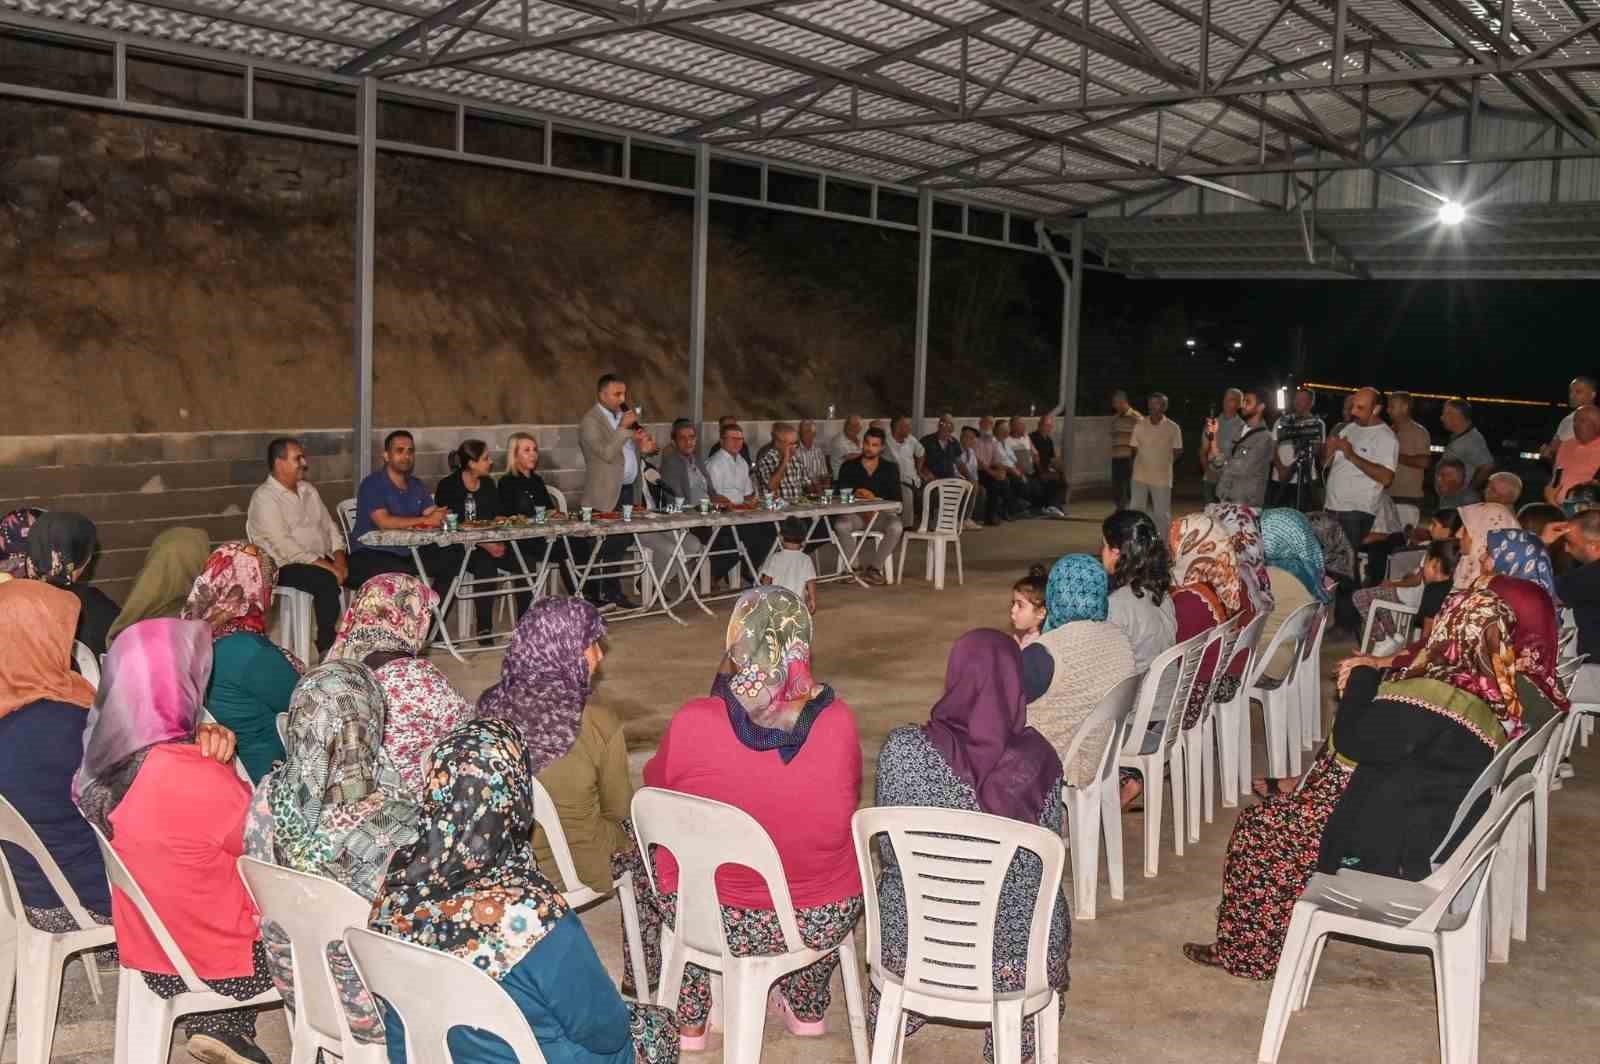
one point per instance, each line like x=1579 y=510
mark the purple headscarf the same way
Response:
x=152 y=691
x=544 y=680
x=980 y=727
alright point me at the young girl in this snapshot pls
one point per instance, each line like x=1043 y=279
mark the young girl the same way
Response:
x=1027 y=605
x=1426 y=590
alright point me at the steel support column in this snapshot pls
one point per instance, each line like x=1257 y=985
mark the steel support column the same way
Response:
x=1071 y=309
x=366 y=226
x=919 y=370
x=697 y=286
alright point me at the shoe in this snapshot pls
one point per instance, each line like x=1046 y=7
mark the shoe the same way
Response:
x=777 y=1003
x=693 y=1043
x=604 y=607
x=1054 y=511
x=875 y=578
x=971 y=525
x=226 y=1049
x=624 y=603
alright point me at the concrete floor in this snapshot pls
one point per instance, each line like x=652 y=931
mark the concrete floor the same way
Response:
x=1133 y=997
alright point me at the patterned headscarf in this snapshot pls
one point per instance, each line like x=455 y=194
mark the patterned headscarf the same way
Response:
x=1538 y=635
x=1203 y=561
x=175 y=558
x=338 y=806
x=422 y=706
x=1518 y=553
x=1078 y=590
x=14 y=529
x=1250 y=559
x=980 y=728
x=1338 y=556
x=234 y=591
x=1471 y=650
x=1478 y=520
x=765 y=680
x=152 y=691
x=391 y=614
x=544 y=679
x=469 y=885
x=1292 y=545
x=36 y=626
x=59 y=544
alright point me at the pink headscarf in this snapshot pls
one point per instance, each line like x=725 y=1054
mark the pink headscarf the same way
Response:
x=1478 y=520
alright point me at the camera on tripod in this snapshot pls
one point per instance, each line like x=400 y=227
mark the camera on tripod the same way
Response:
x=1305 y=433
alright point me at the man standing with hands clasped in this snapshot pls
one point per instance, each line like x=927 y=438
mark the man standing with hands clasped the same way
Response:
x=1361 y=461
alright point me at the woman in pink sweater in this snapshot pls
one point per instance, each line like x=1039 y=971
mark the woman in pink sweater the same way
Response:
x=773 y=742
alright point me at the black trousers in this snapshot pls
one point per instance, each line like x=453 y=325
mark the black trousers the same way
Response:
x=1122 y=481
x=611 y=548
x=1000 y=497
x=323 y=587
x=442 y=564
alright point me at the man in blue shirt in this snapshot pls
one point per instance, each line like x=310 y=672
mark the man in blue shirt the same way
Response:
x=391 y=499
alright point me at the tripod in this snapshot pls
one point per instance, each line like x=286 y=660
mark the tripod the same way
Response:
x=1304 y=473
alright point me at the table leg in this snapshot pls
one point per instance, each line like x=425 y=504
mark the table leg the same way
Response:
x=442 y=607
x=850 y=556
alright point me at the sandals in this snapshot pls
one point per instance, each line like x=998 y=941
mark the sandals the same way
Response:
x=776 y=1002
x=1205 y=956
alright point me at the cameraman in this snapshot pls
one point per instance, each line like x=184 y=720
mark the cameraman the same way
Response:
x=1361 y=461
x=1245 y=460
x=1297 y=461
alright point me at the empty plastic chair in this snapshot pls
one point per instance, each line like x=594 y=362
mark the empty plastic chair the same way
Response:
x=1308 y=688
x=1508 y=897
x=31 y=960
x=1281 y=714
x=314 y=913
x=944 y=506
x=1095 y=807
x=145 y=1018
x=1232 y=720
x=962 y=859
x=346 y=511
x=702 y=836
x=433 y=993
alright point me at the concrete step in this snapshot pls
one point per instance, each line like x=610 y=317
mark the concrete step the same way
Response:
x=128 y=449
x=150 y=477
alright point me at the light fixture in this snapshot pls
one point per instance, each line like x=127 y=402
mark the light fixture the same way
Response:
x=1283 y=398
x=1237 y=345
x=1189 y=342
x=1451 y=212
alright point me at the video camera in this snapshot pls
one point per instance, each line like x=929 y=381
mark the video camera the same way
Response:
x=1301 y=430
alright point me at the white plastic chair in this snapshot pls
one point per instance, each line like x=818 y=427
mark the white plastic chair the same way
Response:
x=88 y=664
x=958 y=861
x=579 y=895
x=145 y=1018
x=34 y=961
x=346 y=511
x=293 y=620
x=1232 y=722
x=1281 y=714
x=1410 y=513
x=1095 y=807
x=940 y=528
x=1308 y=688
x=433 y=993
x=1508 y=891
x=1404 y=616
x=1402 y=563
x=1199 y=741
x=703 y=835
x=315 y=913
x=1164 y=695
x=1443 y=915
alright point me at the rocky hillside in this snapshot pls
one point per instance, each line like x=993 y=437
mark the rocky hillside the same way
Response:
x=157 y=277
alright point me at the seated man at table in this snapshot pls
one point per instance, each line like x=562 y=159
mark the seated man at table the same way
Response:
x=813 y=459
x=722 y=423
x=289 y=520
x=874 y=479
x=778 y=470
x=683 y=474
x=732 y=483
x=392 y=500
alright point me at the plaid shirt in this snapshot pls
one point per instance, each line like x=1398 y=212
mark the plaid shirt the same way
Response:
x=794 y=483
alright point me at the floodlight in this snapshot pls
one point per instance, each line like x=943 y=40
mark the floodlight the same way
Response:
x=1451 y=212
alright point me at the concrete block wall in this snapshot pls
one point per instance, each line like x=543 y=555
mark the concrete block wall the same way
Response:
x=134 y=486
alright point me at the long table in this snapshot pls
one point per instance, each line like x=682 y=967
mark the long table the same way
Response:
x=685 y=563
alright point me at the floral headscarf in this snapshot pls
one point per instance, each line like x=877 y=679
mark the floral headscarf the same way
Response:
x=544 y=679
x=422 y=706
x=338 y=806
x=1250 y=559
x=14 y=529
x=469 y=885
x=1338 y=555
x=1538 y=635
x=1478 y=520
x=1292 y=545
x=1076 y=591
x=152 y=691
x=390 y=615
x=59 y=544
x=36 y=626
x=1472 y=652
x=1518 y=553
x=765 y=680
x=233 y=593
x=1203 y=561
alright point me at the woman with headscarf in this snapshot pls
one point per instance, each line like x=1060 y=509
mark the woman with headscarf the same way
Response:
x=1338 y=555
x=977 y=753
x=14 y=529
x=1407 y=744
x=175 y=558
x=1085 y=657
x=385 y=629
x=1295 y=569
x=43 y=709
x=1477 y=522
x=60 y=548
x=1518 y=553
x=580 y=755
x=252 y=678
x=469 y=886
x=775 y=743
x=175 y=815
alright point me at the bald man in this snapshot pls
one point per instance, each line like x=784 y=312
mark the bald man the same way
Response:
x=1578 y=458
x=1361 y=460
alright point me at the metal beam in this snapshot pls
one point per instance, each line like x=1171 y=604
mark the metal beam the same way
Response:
x=919 y=365
x=406 y=37
x=365 y=237
x=697 y=285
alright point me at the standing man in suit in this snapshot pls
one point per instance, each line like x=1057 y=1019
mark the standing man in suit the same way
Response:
x=613 y=444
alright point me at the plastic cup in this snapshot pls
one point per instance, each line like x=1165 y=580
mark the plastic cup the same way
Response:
x=847 y=495
x=587 y=513
x=539 y=515
x=827 y=496
x=705 y=506
x=627 y=511
x=451 y=521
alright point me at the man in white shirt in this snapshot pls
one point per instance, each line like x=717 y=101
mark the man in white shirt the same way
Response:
x=1157 y=444
x=289 y=520
x=732 y=482
x=1361 y=460
x=1580 y=393
x=813 y=459
x=847 y=444
x=907 y=453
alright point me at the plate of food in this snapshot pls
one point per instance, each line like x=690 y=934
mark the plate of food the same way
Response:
x=609 y=515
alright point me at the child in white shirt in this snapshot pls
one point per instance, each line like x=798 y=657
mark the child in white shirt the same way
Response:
x=792 y=567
